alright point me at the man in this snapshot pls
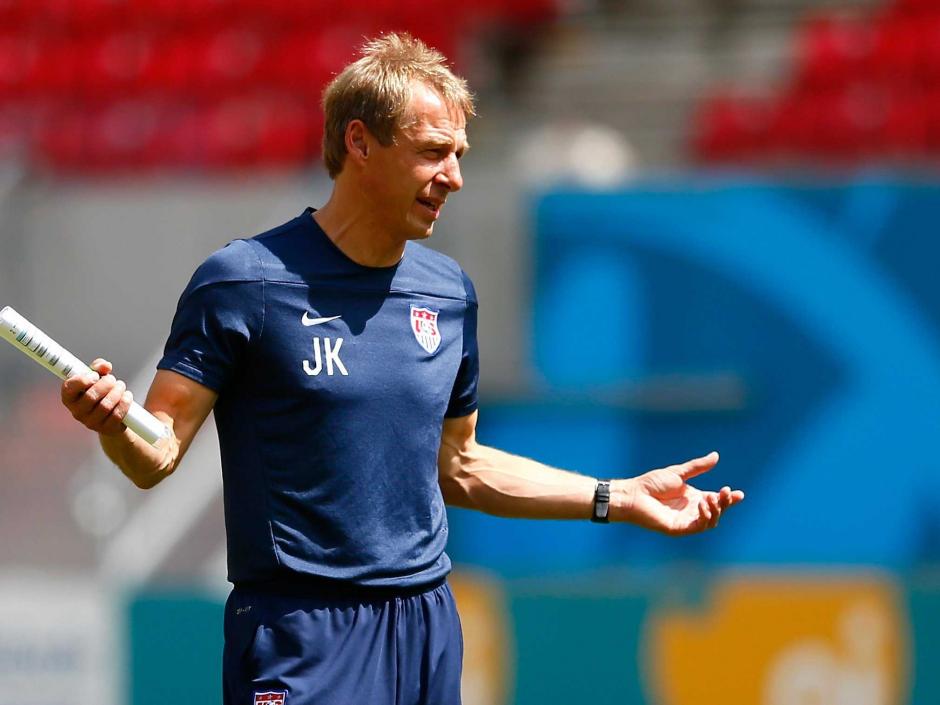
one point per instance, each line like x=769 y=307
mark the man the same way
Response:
x=341 y=360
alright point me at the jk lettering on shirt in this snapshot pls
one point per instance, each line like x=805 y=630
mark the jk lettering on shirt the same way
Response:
x=331 y=348
x=329 y=357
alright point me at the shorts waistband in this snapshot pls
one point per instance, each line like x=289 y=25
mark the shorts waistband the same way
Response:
x=315 y=586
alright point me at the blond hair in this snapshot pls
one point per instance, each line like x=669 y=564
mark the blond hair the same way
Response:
x=376 y=89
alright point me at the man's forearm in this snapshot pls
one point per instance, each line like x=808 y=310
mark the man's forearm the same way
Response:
x=145 y=465
x=499 y=483
x=492 y=481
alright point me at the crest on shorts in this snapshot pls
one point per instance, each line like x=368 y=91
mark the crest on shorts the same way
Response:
x=271 y=697
x=424 y=326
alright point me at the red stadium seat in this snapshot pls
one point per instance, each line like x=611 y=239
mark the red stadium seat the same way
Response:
x=928 y=64
x=119 y=136
x=295 y=62
x=96 y=16
x=13 y=13
x=896 y=52
x=289 y=133
x=438 y=32
x=185 y=14
x=792 y=125
x=278 y=131
x=179 y=140
x=117 y=63
x=171 y=69
x=834 y=50
x=931 y=111
x=306 y=60
x=228 y=60
x=56 y=69
x=19 y=57
x=231 y=135
x=291 y=13
x=157 y=13
x=54 y=13
x=849 y=122
x=729 y=127
x=914 y=7
x=905 y=131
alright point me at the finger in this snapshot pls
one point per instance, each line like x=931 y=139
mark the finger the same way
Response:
x=106 y=406
x=86 y=403
x=695 y=467
x=125 y=405
x=114 y=424
x=75 y=386
x=714 y=505
x=724 y=497
x=101 y=366
x=730 y=497
x=704 y=511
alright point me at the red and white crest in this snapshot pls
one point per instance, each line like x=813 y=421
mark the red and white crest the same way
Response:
x=272 y=697
x=424 y=326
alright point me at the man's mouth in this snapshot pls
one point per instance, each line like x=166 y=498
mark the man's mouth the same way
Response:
x=431 y=205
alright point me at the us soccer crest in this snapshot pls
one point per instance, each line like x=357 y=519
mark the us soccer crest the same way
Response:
x=272 y=697
x=424 y=326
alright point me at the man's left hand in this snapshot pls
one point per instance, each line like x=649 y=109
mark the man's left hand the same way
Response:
x=663 y=500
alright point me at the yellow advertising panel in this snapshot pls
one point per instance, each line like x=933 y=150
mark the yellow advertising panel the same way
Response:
x=782 y=640
x=488 y=664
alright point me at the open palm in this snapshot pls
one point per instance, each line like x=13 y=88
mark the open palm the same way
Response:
x=664 y=501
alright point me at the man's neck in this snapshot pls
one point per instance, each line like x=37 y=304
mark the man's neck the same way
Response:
x=357 y=235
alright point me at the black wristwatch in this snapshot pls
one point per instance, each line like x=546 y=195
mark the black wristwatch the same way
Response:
x=601 y=513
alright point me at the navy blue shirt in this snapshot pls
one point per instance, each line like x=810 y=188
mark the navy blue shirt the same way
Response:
x=334 y=380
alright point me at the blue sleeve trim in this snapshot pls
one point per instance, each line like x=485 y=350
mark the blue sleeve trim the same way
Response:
x=463 y=411
x=175 y=363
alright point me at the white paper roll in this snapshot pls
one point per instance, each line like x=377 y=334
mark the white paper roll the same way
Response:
x=31 y=341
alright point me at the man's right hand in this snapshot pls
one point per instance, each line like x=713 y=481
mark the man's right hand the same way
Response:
x=97 y=399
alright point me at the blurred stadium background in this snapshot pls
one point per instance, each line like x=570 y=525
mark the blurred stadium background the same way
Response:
x=693 y=224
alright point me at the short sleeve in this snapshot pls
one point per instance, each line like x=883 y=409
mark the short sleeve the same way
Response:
x=219 y=313
x=463 y=398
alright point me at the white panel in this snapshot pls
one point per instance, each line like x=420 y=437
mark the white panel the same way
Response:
x=57 y=641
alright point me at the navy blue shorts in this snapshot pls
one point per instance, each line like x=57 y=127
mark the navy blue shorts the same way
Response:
x=285 y=649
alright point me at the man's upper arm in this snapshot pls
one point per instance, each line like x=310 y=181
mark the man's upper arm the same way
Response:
x=181 y=403
x=458 y=440
x=459 y=432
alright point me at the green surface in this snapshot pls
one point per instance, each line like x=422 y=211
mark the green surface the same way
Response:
x=175 y=640
x=924 y=606
x=577 y=647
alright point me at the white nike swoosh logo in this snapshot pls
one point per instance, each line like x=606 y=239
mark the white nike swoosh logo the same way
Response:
x=307 y=321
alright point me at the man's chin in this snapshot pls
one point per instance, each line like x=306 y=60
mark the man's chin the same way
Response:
x=420 y=231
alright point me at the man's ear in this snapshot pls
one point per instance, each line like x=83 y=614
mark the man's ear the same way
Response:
x=357 y=141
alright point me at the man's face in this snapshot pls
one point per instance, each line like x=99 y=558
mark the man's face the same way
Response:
x=409 y=180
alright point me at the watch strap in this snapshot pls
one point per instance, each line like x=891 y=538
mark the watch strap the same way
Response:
x=601 y=512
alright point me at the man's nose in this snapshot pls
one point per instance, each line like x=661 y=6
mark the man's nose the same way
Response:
x=450 y=175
